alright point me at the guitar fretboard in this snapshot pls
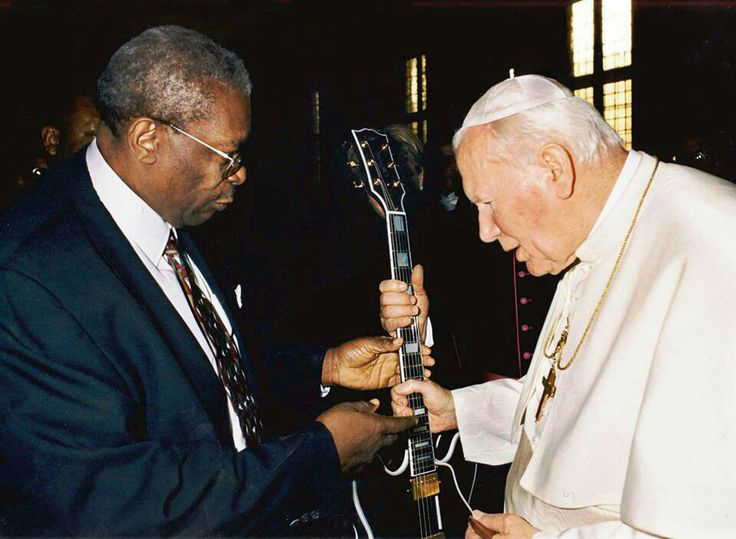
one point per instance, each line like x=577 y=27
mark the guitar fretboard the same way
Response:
x=421 y=449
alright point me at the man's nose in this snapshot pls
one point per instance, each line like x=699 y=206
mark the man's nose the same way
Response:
x=238 y=178
x=487 y=229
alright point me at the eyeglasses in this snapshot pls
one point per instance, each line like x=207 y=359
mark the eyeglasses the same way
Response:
x=235 y=160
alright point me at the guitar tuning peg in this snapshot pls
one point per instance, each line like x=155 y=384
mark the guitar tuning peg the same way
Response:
x=384 y=147
x=352 y=164
x=358 y=184
x=396 y=183
x=371 y=162
x=392 y=164
x=377 y=182
x=364 y=144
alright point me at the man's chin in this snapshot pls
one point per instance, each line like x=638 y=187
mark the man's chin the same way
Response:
x=540 y=268
x=547 y=267
x=536 y=271
x=198 y=218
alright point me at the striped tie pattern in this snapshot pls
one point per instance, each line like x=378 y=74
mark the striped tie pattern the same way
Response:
x=227 y=356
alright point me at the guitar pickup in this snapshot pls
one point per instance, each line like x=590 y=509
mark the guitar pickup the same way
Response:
x=424 y=486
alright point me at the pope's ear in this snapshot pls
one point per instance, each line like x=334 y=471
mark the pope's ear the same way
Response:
x=560 y=170
x=143 y=139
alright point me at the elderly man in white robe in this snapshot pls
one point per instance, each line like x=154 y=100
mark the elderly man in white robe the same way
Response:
x=625 y=425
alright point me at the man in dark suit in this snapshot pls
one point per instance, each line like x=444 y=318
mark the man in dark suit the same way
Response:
x=128 y=402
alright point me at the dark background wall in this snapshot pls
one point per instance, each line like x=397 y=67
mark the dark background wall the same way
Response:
x=353 y=53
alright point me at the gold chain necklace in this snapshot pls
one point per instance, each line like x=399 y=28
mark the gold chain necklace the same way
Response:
x=549 y=381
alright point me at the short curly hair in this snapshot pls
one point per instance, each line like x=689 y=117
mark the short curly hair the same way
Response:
x=167 y=72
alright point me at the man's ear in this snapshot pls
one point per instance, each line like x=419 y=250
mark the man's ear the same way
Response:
x=50 y=139
x=560 y=169
x=143 y=139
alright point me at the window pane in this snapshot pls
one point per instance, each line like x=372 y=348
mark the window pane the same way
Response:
x=412 y=88
x=616 y=33
x=423 y=80
x=585 y=93
x=617 y=108
x=581 y=37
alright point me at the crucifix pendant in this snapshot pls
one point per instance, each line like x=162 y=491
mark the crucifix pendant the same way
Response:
x=549 y=391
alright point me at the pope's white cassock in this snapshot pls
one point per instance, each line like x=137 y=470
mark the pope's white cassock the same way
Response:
x=640 y=438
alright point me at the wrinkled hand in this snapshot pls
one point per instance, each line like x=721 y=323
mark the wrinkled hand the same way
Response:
x=398 y=306
x=437 y=400
x=359 y=432
x=367 y=363
x=506 y=525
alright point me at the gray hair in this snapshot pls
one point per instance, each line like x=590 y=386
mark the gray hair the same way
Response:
x=571 y=122
x=167 y=72
x=409 y=153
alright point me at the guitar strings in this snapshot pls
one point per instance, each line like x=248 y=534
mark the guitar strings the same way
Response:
x=416 y=371
x=414 y=360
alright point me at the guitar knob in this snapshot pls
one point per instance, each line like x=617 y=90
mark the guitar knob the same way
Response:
x=358 y=184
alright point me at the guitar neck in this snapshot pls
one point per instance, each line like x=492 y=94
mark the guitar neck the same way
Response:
x=376 y=172
x=423 y=470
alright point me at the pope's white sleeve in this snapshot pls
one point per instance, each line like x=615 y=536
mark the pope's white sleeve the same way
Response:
x=485 y=416
x=614 y=529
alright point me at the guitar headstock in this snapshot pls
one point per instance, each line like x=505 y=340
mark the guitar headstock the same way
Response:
x=374 y=169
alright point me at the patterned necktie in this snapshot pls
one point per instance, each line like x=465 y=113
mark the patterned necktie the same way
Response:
x=227 y=357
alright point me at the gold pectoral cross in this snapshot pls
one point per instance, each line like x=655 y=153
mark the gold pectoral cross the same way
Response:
x=549 y=391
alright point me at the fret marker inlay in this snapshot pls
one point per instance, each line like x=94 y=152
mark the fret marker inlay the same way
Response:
x=399 y=223
x=411 y=348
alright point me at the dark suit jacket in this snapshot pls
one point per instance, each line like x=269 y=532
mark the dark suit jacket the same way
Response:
x=112 y=421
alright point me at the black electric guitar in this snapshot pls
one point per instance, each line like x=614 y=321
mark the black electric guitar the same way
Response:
x=377 y=173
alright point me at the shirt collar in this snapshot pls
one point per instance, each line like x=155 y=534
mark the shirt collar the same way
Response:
x=140 y=224
x=613 y=221
x=624 y=177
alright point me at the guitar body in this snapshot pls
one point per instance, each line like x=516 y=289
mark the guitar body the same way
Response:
x=391 y=509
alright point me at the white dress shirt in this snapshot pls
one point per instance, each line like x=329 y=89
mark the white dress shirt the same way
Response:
x=148 y=234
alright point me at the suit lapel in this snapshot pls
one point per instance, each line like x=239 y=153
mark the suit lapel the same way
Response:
x=119 y=255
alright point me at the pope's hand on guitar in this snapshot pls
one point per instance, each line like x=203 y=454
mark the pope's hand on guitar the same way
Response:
x=438 y=401
x=359 y=432
x=398 y=306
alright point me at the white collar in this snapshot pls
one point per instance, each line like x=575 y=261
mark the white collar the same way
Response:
x=612 y=210
x=139 y=223
x=624 y=177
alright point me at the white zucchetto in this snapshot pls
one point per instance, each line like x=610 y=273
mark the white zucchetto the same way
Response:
x=511 y=97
